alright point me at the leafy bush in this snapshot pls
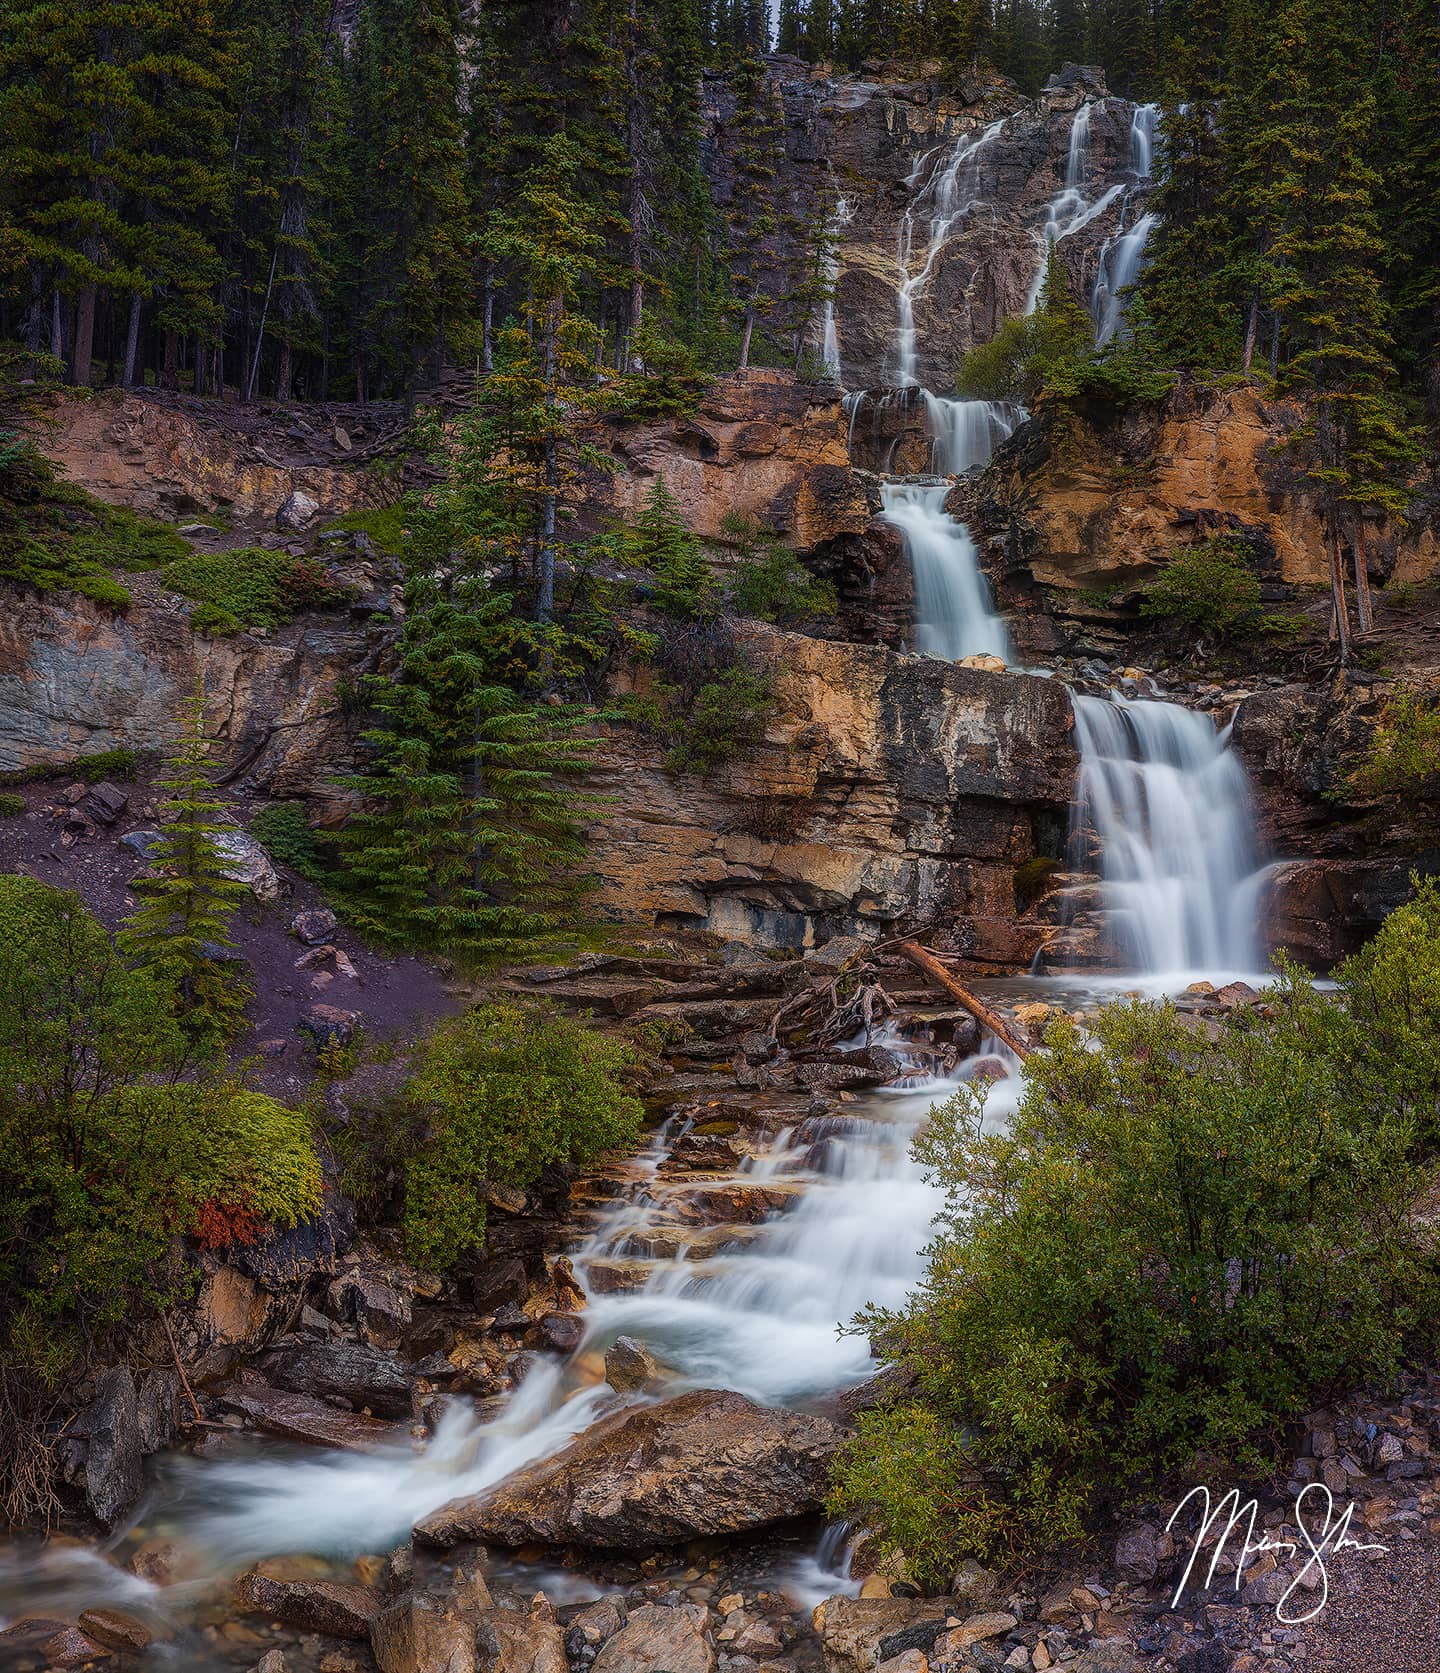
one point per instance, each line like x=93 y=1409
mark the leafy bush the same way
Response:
x=1177 y=1246
x=386 y=525
x=769 y=582
x=506 y=1091
x=106 y=763
x=11 y=805
x=1210 y=588
x=710 y=702
x=107 y=1150
x=286 y=835
x=728 y=718
x=669 y=380
x=250 y=586
x=1402 y=757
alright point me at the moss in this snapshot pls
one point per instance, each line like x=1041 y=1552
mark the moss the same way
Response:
x=65 y=540
x=386 y=526
x=1033 y=878
x=106 y=763
x=250 y=586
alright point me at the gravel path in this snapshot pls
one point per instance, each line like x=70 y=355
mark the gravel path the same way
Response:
x=1383 y=1615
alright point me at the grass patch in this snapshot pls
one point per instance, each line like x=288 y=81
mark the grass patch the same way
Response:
x=386 y=526
x=250 y=586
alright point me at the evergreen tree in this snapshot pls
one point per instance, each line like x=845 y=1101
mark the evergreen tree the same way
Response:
x=755 y=216
x=182 y=926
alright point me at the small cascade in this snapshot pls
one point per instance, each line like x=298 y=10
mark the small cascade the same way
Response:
x=829 y=334
x=966 y=433
x=954 y=613
x=952 y=192
x=1143 y=126
x=1121 y=259
x=1169 y=804
x=1071 y=209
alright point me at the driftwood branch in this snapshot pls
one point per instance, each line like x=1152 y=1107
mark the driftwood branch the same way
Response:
x=982 y=1013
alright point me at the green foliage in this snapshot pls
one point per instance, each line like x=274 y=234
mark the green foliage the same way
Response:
x=1402 y=756
x=385 y=525
x=287 y=836
x=106 y=1150
x=181 y=927
x=727 y=719
x=1210 y=588
x=1177 y=1246
x=661 y=542
x=504 y=1092
x=666 y=379
x=769 y=582
x=11 y=805
x=250 y=586
x=105 y=763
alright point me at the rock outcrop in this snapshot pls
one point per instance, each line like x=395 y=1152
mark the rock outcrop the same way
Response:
x=708 y=1462
x=894 y=791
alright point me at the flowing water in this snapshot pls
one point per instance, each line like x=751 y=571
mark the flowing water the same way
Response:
x=1121 y=258
x=955 y=615
x=829 y=331
x=1144 y=125
x=1168 y=802
x=966 y=433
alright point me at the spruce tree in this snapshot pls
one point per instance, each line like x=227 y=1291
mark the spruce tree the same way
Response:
x=181 y=928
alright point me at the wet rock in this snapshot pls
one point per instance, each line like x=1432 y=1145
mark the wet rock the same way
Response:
x=329 y=1025
x=592 y=1626
x=655 y=1637
x=859 y=1633
x=975 y=1630
x=245 y=861
x=511 y=1318
x=562 y=1332
x=273 y=1661
x=297 y=513
x=427 y=1630
x=300 y=1417
x=508 y=1642
x=365 y=1376
x=326 y=1606
x=72 y=1648
x=1234 y=995
x=116 y=1630
x=111 y=1424
x=629 y=1365
x=380 y=1311
x=314 y=926
x=497 y=1282
x=290 y=1256
x=708 y=1462
x=155 y=1398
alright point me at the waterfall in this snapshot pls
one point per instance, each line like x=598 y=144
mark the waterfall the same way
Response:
x=1121 y=259
x=829 y=335
x=952 y=192
x=1142 y=138
x=1077 y=157
x=954 y=613
x=1070 y=211
x=1169 y=803
x=967 y=432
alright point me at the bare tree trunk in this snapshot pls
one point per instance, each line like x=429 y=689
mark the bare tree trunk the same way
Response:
x=749 y=332
x=1340 y=609
x=57 y=336
x=132 y=341
x=260 y=334
x=1252 y=327
x=487 y=329
x=284 y=373
x=545 y=591
x=84 y=347
x=1364 y=615
x=170 y=361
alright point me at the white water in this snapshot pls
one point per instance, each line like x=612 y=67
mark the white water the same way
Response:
x=951 y=193
x=829 y=331
x=1071 y=210
x=1143 y=126
x=1169 y=801
x=954 y=613
x=761 y=1317
x=966 y=433
x=1121 y=259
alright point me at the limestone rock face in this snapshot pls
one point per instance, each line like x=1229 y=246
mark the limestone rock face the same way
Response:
x=893 y=790
x=155 y=455
x=761 y=444
x=708 y=1462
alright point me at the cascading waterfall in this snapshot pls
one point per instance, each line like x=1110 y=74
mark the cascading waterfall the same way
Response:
x=1143 y=125
x=1121 y=259
x=1168 y=800
x=1070 y=210
x=829 y=332
x=954 y=613
x=966 y=433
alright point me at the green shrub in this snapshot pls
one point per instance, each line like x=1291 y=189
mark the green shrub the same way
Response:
x=1178 y=1246
x=1210 y=588
x=728 y=719
x=386 y=526
x=66 y=539
x=1402 y=757
x=286 y=835
x=10 y=804
x=505 y=1091
x=769 y=582
x=106 y=763
x=250 y=586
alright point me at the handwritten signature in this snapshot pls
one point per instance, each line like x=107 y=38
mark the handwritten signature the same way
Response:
x=1333 y=1538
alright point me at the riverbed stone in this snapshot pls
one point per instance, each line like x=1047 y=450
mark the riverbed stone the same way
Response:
x=507 y=1641
x=659 y=1637
x=706 y=1463
x=301 y=1417
x=113 y=1461
x=859 y=1633
x=629 y=1365
x=116 y=1630
x=326 y=1606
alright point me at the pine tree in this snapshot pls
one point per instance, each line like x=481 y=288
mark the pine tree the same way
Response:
x=661 y=542
x=182 y=926
x=755 y=215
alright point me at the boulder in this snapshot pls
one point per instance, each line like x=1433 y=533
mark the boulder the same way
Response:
x=314 y=926
x=1136 y=1557
x=245 y=861
x=116 y=1630
x=629 y=1365
x=104 y=802
x=859 y=1633
x=301 y=1417
x=326 y=1606
x=427 y=1630
x=508 y=1642
x=562 y=1332
x=365 y=1376
x=286 y=1257
x=709 y=1462
x=72 y=1648
x=381 y=1311
x=329 y=1025
x=497 y=1282
x=297 y=513
x=655 y=1637
x=111 y=1423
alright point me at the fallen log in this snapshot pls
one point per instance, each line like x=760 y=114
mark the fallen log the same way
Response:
x=981 y=1012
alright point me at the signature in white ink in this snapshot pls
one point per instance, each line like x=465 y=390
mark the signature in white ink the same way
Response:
x=1333 y=1538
